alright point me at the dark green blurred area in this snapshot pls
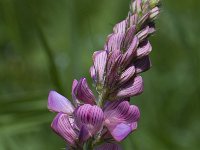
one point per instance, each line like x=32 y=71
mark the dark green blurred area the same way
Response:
x=45 y=44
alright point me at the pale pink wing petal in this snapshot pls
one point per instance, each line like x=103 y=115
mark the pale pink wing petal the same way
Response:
x=59 y=103
x=127 y=75
x=144 y=49
x=100 y=59
x=63 y=128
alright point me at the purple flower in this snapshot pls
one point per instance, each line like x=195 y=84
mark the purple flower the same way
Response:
x=121 y=119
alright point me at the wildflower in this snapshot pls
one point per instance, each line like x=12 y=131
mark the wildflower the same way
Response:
x=90 y=122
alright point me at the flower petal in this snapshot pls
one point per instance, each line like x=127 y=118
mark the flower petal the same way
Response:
x=120 y=132
x=143 y=34
x=63 y=128
x=144 y=49
x=91 y=116
x=131 y=89
x=114 y=42
x=74 y=85
x=84 y=93
x=126 y=75
x=142 y=65
x=100 y=59
x=84 y=134
x=108 y=146
x=120 y=27
x=92 y=73
x=59 y=103
x=130 y=53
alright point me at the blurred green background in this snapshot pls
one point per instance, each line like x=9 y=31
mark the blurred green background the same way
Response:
x=45 y=44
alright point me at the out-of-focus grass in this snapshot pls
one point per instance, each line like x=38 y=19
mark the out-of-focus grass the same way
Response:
x=46 y=44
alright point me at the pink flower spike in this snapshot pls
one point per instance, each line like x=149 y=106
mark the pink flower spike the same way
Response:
x=58 y=103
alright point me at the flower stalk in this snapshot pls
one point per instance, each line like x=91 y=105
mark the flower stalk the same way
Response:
x=101 y=123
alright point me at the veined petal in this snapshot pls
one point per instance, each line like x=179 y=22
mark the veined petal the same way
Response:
x=74 y=85
x=63 y=128
x=120 y=27
x=130 y=53
x=100 y=59
x=84 y=93
x=126 y=75
x=144 y=49
x=133 y=19
x=59 y=103
x=114 y=42
x=131 y=89
x=112 y=67
x=93 y=73
x=108 y=146
x=143 y=34
x=142 y=65
x=154 y=13
x=91 y=116
x=129 y=37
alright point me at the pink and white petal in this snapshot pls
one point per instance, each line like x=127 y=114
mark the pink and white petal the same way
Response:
x=84 y=93
x=63 y=128
x=127 y=75
x=142 y=65
x=120 y=27
x=144 y=49
x=93 y=73
x=133 y=88
x=58 y=103
x=115 y=42
x=100 y=59
x=129 y=37
x=130 y=53
x=74 y=92
x=143 y=34
x=108 y=146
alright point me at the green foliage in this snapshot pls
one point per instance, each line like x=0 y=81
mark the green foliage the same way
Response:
x=46 y=44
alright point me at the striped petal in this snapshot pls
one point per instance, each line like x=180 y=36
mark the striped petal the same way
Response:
x=74 y=85
x=121 y=119
x=154 y=13
x=100 y=59
x=142 y=65
x=108 y=146
x=114 y=42
x=90 y=116
x=130 y=53
x=58 y=103
x=93 y=73
x=144 y=49
x=143 y=34
x=126 y=75
x=63 y=128
x=133 y=88
x=83 y=92
x=120 y=27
